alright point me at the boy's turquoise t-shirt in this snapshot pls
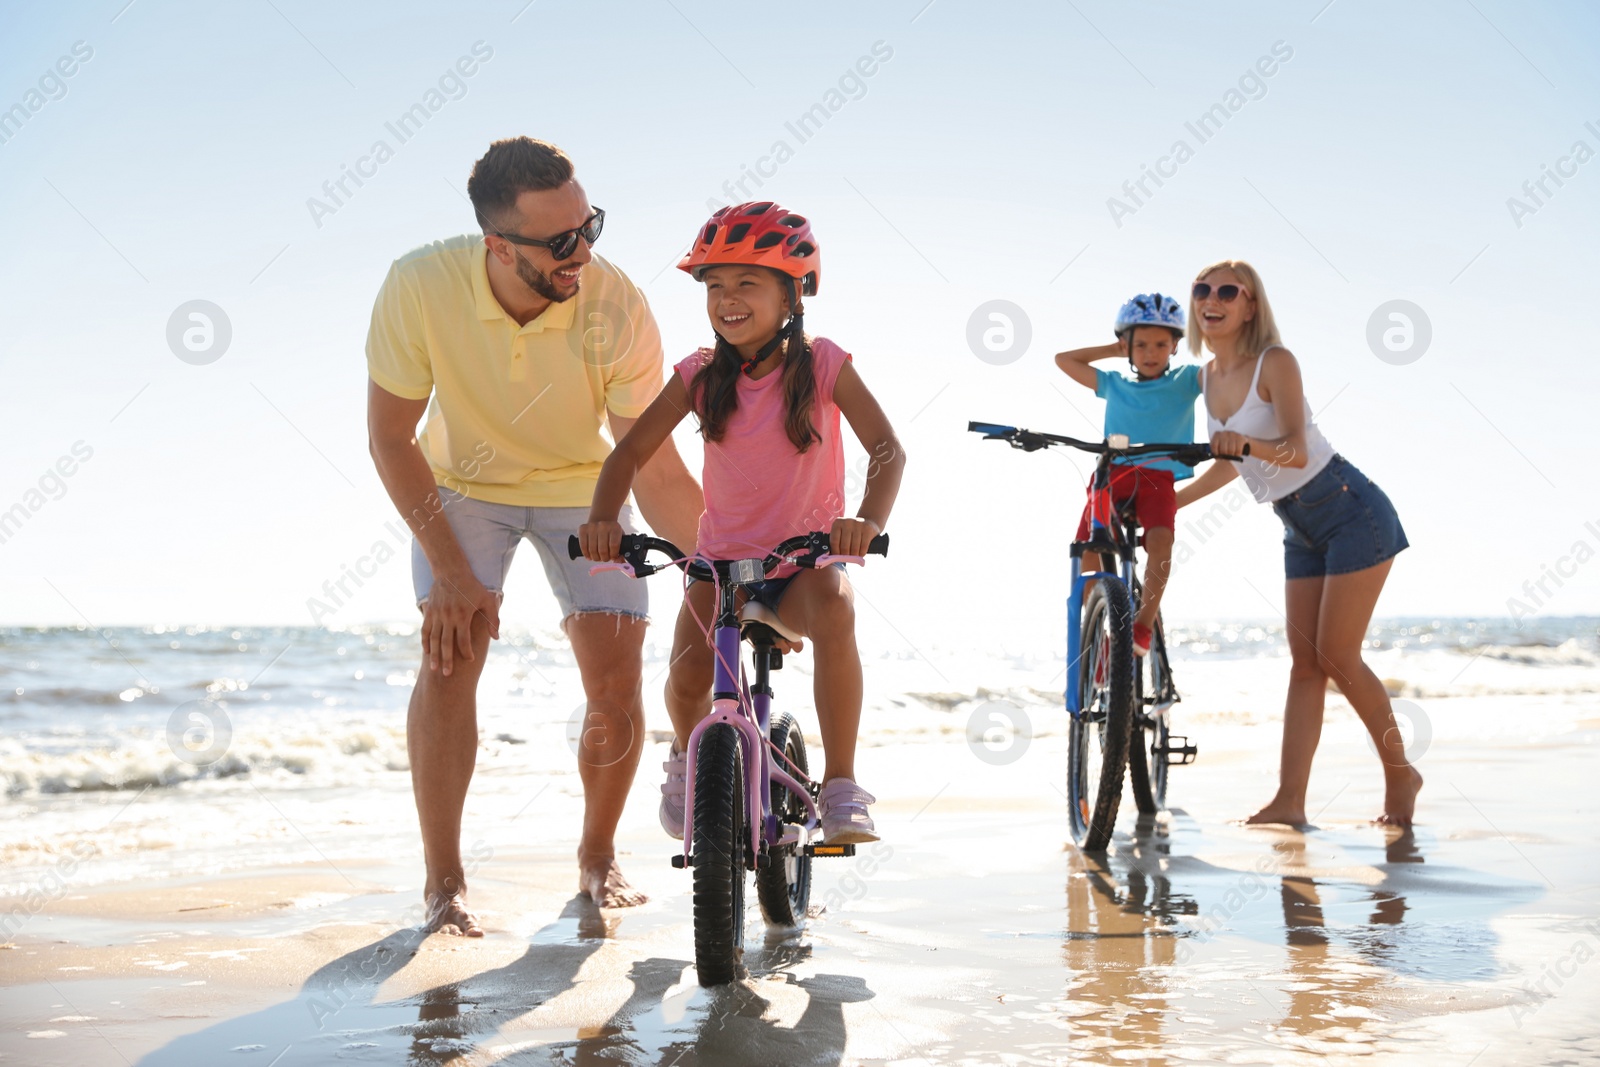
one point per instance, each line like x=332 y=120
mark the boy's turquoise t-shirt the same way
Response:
x=1161 y=409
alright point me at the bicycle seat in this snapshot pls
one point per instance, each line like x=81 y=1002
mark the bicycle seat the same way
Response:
x=759 y=614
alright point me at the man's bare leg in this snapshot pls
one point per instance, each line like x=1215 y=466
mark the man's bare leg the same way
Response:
x=608 y=648
x=442 y=739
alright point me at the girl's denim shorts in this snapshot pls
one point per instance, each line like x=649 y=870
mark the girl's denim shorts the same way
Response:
x=1336 y=523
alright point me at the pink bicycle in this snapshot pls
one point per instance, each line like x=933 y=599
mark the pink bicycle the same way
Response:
x=750 y=805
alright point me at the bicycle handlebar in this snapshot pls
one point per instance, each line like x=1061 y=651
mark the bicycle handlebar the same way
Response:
x=636 y=547
x=1188 y=453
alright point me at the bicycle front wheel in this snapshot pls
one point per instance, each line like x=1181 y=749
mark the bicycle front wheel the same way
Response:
x=720 y=842
x=784 y=886
x=1098 y=746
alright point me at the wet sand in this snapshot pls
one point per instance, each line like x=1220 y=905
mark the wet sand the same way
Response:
x=971 y=935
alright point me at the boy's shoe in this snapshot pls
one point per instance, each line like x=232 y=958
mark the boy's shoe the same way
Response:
x=843 y=806
x=673 y=792
x=1142 y=636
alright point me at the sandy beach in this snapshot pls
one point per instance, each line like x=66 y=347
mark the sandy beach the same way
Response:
x=329 y=325
x=973 y=934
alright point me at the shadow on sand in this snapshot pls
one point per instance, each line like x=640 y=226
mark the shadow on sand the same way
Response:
x=664 y=1017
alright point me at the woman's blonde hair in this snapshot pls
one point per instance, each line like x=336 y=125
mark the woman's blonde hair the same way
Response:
x=1260 y=332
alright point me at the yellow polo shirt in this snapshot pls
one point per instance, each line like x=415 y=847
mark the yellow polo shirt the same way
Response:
x=516 y=410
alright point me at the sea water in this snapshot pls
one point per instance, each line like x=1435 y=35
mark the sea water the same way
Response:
x=222 y=748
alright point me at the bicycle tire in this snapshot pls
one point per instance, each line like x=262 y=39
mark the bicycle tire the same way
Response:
x=783 y=887
x=1104 y=725
x=720 y=843
x=1147 y=756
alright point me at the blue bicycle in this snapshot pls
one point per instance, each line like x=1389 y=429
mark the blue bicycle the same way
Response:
x=750 y=804
x=1110 y=693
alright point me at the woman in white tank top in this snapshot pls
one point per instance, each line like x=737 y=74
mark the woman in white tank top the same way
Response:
x=1341 y=532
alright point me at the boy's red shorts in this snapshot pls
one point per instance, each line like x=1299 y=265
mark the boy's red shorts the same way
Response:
x=1153 y=492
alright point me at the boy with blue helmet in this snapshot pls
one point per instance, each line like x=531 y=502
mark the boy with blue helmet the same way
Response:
x=1156 y=405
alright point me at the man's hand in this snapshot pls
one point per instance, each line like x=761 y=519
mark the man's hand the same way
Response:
x=601 y=541
x=447 y=617
x=850 y=537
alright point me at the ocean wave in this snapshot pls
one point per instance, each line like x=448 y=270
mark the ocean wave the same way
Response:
x=1568 y=653
x=335 y=756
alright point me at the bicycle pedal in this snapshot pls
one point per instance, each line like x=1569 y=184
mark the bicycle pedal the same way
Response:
x=763 y=860
x=830 y=850
x=681 y=861
x=1178 y=751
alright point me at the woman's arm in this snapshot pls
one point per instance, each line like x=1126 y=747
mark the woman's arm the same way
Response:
x=601 y=536
x=1280 y=379
x=1214 y=477
x=1076 y=362
x=872 y=429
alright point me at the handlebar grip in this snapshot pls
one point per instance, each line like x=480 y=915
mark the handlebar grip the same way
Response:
x=989 y=428
x=879 y=546
x=574 y=546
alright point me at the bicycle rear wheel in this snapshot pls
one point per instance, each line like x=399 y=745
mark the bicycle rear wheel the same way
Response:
x=1098 y=746
x=1147 y=753
x=784 y=886
x=720 y=843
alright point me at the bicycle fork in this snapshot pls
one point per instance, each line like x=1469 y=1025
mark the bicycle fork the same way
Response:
x=1075 y=624
x=727 y=695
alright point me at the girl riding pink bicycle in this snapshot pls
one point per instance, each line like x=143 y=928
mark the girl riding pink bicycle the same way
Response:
x=768 y=400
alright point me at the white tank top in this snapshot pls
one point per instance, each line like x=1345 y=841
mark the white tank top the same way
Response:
x=1257 y=418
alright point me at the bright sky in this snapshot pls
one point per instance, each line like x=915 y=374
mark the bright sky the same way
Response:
x=975 y=163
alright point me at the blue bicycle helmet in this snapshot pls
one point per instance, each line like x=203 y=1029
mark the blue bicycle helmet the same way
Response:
x=1150 y=309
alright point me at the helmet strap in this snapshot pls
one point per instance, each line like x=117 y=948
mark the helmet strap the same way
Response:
x=794 y=327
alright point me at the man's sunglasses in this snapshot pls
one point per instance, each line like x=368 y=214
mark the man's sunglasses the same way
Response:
x=563 y=244
x=1225 y=293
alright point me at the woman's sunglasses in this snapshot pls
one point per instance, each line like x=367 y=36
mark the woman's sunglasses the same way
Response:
x=1225 y=293
x=564 y=244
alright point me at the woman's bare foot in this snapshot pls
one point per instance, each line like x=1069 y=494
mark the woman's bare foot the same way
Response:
x=448 y=914
x=1400 y=798
x=1271 y=816
x=1279 y=812
x=601 y=879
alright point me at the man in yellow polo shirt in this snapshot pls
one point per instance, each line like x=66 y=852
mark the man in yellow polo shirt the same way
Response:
x=526 y=342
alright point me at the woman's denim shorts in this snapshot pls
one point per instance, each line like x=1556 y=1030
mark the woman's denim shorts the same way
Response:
x=1336 y=523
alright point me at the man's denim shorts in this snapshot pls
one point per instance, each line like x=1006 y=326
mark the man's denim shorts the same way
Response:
x=489 y=535
x=1337 y=523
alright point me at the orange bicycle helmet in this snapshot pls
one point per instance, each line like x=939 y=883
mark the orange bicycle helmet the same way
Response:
x=761 y=234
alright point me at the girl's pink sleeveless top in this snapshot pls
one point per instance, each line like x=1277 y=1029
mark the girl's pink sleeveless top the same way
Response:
x=759 y=488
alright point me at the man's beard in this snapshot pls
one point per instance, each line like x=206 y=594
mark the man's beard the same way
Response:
x=540 y=282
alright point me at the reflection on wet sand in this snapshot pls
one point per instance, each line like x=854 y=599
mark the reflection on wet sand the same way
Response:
x=1153 y=967
x=1122 y=931
x=1182 y=944
x=1330 y=996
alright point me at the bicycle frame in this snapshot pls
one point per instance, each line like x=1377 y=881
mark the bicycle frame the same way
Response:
x=749 y=712
x=744 y=708
x=1105 y=530
x=1102 y=535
